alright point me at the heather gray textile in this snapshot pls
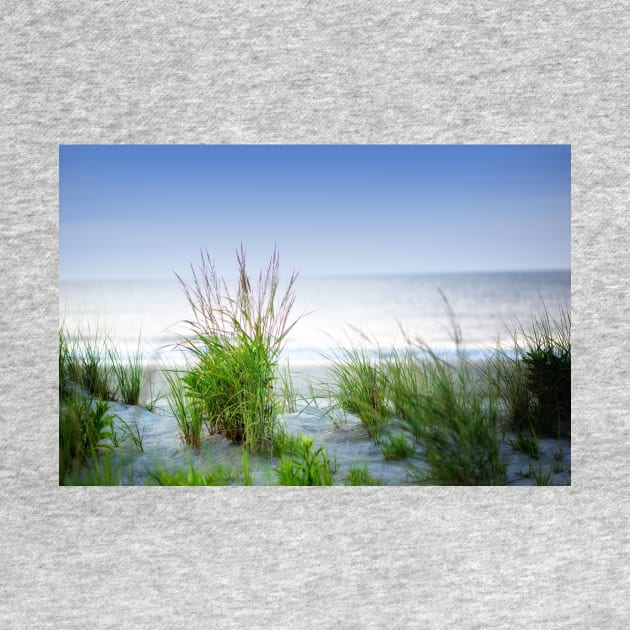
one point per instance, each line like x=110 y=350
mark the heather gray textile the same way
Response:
x=313 y=72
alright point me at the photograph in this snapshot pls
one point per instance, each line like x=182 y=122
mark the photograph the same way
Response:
x=315 y=315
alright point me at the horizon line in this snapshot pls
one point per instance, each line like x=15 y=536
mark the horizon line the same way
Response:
x=329 y=275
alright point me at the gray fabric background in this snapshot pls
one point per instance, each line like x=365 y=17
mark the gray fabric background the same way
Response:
x=313 y=72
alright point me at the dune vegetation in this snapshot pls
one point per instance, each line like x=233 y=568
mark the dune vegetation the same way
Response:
x=446 y=421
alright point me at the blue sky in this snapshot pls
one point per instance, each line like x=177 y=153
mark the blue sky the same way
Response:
x=146 y=210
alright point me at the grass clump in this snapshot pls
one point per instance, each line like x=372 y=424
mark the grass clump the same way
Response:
x=360 y=388
x=443 y=414
x=360 y=476
x=128 y=375
x=235 y=341
x=396 y=446
x=307 y=467
x=542 y=477
x=379 y=388
x=284 y=443
x=83 y=362
x=94 y=372
x=185 y=408
x=533 y=382
x=405 y=382
x=526 y=442
x=448 y=414
x=557 y=463
x=547 y=360
x=86 y=430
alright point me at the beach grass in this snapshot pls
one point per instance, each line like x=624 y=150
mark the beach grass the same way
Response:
x=86 y=429
x=235 y=339
x=215 y=475
x=557 y=463
x=455 y=424
x=99 y=470
x=286 y=396
x=360 y=476
x=185 y=409
x=65 y=364
x=446 y=418
x=526 y=442
x=396 y=446
x=547 y=358
x=95 y=373
x=405 y=380
x=360 y=388
x=129 y=375
x=246 y=469
x=542 y=476
x=69 y=363
x=284 y=443
x=439 y=410
x=308 y=466
x=83 y=361
x=134 y=432
x=533 y=379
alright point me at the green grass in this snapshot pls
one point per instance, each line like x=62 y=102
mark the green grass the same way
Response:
x=65 y=364
x=134 y=433
x=95 y=374
x=153 y=396
x=284 y=443
x=185 y=408
x=100 y=470
x=216 y=475
x=396 y=446
x=557 y=463
x=405 y=381
x=128 y=375
x=246 y=469
x=451 y=418
x=547 y=359
x=83 y=361
x=235 y=340
x=444 y=415
x=506 y=382
x=415 y=405
x=70 y=363
x=360 y=387
x=91 y=362
x=526 y=442
x=86 y=429
x=307 y=467
x=541 y=476
x=461 y=452
x=360 y=476
x=286 y=396
x=533 y=382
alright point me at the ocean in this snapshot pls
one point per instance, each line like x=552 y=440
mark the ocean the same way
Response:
x=338 y=310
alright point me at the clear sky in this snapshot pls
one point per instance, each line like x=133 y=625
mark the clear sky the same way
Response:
x=146 y=210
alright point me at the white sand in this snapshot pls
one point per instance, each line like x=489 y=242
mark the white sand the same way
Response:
x=344 y=437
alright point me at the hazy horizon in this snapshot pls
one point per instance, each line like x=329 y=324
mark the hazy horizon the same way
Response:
x=285 y=273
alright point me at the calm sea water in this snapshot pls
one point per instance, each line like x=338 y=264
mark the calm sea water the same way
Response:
x=487 y=306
